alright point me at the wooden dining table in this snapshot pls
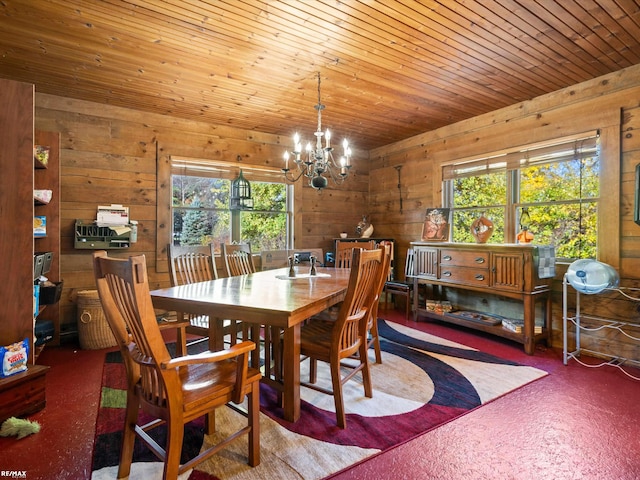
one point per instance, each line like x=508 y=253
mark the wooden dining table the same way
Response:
x=269 y=298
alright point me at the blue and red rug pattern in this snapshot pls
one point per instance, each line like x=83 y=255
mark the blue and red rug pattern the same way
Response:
x=423 y=382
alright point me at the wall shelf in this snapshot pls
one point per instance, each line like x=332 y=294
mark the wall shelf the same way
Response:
x=88 y=235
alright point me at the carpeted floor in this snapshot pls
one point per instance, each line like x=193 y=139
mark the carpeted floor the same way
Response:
x=423 y=382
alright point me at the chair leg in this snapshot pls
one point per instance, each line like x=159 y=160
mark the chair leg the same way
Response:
x=129 y=435
x=336 y=381
x=386 y=299
x=408 y=305
x=210 y=423
x=254 y=423
x=376 y=340
x=313 y=370
x=175 y=436
x=366 y=373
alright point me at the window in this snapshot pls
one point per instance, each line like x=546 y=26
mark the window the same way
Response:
x=557 y=184
x=200 y=206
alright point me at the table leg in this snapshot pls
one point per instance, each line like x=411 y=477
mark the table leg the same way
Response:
x=291 y=372
x=529 y=324
x=216 y=334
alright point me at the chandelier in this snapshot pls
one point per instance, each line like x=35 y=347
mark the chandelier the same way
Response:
x=317 y=164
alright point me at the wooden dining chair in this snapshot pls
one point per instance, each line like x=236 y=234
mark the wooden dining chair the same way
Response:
x=404 y=287
x=173 y=391
x=191 y=264
x=344 y=252
x=331 y=314
x=238 y=259
x=333 y=342
x=372 y=336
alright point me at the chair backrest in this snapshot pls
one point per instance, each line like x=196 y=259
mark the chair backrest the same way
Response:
x=191 y=264
x=238 y=259
x=123 y=287
x=344 y=252
x=408 y=265
x=367 y=268
x=381 y=280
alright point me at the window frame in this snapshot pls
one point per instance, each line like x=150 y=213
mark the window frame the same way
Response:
x=510 y=161
x=163 y=227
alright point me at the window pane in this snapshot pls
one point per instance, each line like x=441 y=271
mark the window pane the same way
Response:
x=269 y=196
x=462 y=220
x=560 y=181
x=200 y=227
x=571 y=228
x=208 y=192
x=469 y=193
x=263 y=230
x=483 y=190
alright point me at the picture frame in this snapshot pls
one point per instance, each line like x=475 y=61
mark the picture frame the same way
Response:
x=436 y=225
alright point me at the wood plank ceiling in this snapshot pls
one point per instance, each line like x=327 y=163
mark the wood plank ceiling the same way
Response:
x=390 y=69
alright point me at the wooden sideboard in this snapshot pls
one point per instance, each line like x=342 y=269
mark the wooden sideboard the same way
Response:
x=506 y=281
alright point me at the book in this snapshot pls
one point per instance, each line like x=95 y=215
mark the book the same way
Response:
x=517 y=325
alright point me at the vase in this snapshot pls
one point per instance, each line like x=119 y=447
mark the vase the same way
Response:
x=481 y=229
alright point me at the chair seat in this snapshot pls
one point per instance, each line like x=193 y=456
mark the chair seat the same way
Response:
x=328 y=315
x=398 y=286
x=315 y=336
x=198 y=383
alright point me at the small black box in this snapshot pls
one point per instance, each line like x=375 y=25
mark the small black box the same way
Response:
x=50 y=294
x=44 y=332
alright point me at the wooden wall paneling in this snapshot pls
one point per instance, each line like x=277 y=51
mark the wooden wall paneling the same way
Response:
x=163 y=208
x=609 y=204
x=631 y=129
x=126 y=134
x=587 y=106
x=630 y=231
x=600 y=114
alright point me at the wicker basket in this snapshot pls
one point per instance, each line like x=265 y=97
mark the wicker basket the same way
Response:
x=93 y=330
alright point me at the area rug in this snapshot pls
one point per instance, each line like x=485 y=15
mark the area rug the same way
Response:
x=423 y=382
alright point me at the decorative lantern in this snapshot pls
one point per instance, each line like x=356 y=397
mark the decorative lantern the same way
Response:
x=240 y=194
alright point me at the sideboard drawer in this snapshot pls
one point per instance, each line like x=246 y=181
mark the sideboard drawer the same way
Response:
x=467 y=276
x=464 y=258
